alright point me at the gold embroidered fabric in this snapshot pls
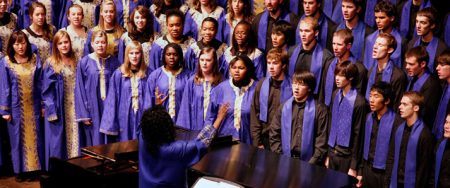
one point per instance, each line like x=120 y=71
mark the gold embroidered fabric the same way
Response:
x=258 y=6
x=71 y=125
x=6 y=31
x=100 y=62
x=238 y=103
x=88 y=11
x=206 y=97
x=135 y=92
x=172 y=89
x=126 y=11
x=77 y=42
x=42 y=45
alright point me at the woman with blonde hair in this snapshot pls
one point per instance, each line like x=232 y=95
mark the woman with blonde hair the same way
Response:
x=58 y=88
x=124 y=103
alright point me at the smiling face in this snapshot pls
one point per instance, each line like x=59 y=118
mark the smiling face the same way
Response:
x=108 y=13
x=75 y=16
x=64 y=45
x=208 y=31
x=140 y=21
x=238 y=70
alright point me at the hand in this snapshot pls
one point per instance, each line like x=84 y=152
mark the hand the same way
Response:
x=359 y=184
x=327 y=162
x=352 y=172
x=7 y=117
x=159 y=97
x=87 y=122
x=42 y=112
x=223 y=111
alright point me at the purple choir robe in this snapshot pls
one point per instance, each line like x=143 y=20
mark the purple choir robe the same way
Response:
x=112 y=47
x=193 y=53
x=146 y=47
x=53 y=8
x=194 y=19
x=359 y=35
x=396 y=56
x=257 y=56
x=88 y=95
x=159 y=23
x=439 y=121
x=20 y=87
x=123 y=12
x=91 y=11
x=156 y=52
x=160 y=79
x=119 y=117
x=228 y=29
x=323 y=30
x=335 y=13
x=225 y=93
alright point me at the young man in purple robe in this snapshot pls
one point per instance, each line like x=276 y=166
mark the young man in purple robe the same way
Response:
x=443 y=71
x=348 y=113
x=282 y=35
x=299 y=126
x=379 y=133
x=425 y=26
x=421 y=80
x=384 y=68
x=413 y=146
x=270 y=93
x=442 y=161
x=309 y=55
x=408 y=11
x=263 y=22
x=385 y=17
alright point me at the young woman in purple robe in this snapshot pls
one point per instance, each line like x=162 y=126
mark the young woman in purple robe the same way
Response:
x=237 y=92
x=8 y=24
x=197 y=92
x=92 y=81
x=199 y=10
x=124 y=9
x=91 y=10
x=76 y=30
x=244 y=42
x=58 y=88
x=237 y=10
x=125 y=101
x=52 y=15
x=165 y=85
x=20 y=104
x=158 y=10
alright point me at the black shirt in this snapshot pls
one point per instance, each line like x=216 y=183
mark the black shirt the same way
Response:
x=5 y=19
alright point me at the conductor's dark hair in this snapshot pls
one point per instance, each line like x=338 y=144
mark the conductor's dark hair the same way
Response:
x=385 y=89
x=157 y=128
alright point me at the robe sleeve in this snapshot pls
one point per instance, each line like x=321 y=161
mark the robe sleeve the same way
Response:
x=87 y=46
x=190 y=59
x=155 y=59
x=260 y=66
x=109 y=124
x=184 y=114
x=81 y=101
x=49 y=93
x=275 y=131
x=63 y=22
x=320 y=145
x=5 y=89
x=121 y=46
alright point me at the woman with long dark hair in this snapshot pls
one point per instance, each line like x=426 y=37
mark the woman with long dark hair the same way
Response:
x=158 y=10
x=238 y=10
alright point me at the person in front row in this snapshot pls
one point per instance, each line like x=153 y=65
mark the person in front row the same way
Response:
x=442 y=165
x=413 y=146
x=163 y=162
x=299 y=126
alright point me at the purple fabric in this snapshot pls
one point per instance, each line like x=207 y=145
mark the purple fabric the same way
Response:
x=131 y=6
x=431 y=49
x=439 y=155
x=369 y=17
x=419 y=83
x=386 y=76
x=286 y=93
x=323 y=30
x=337 y=13
x=438 y=127
x=411 y=154
x=262 y=28
x=329 y=82
x=396 y=56
x=447 y=31
x=316 y=64
x=383 y=138
x=341 y=118
x=406 y=14
x=294 y=5
x=359 y=34
x=57 y=5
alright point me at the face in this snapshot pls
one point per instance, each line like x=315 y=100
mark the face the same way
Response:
x=278 y=39
x=272 y=5
x=407 y=108
x=20 y=48
x=108 y=14
x=339 y=46
x=64 y=45
x=349 y=10
x=140 y=21
x=38 y=16
x=414 y=68
x=238 y=70
x=3 y=6
x=175 y=26
x=275 y=67
x=135 y=57
x=75 y=16
x=380 y=48
x=341 y=81
x=237 y=6
x=205 y=2
x=206 y=61
x=241 y=33
x=310 y=7
x=299 y=90
x=171 y=57
x=383 y=21
x=208 y=32
x=99 y=45
x=423 y=25
x=307 y=33
x=443 y=71
x=447 y=127
x=376 y=101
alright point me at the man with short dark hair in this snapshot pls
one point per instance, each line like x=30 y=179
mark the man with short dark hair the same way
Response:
x=443 y=71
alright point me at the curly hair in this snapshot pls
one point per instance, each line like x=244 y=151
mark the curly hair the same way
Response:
x=157 y=128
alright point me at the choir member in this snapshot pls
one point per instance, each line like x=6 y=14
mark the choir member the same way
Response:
x=165 y=84
x=197 y=92
x=441 y=166
x=299 y=126
x=351 y=9
x=92 y=81
x=348 y=112
x=237 y=10
x=379 y=132
x=110 y=25
x=244 y=42
x=263 y=22
x=385 y=17
x=163 y=162
x=408 y=11
x=76 y=30
x=51 y=15
x=282 y=35
x=413 y=146
x=8 y=24
x=40 y=33
x=342 y=45
x=236 y=92
x=91 y=11
x=124 y=9
x=326 y=25
x=443 y=71
x=124 y=104
x=174 y=20
x=208 y=34
x=139 y=29
x=333 y=10
x=384 y=68
x=270 y=93
x=20 y=105
x=158 y=10
x=201 y=9
x=425 y=26
x=421 y=80
x=58 y=88
x=310 y=55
